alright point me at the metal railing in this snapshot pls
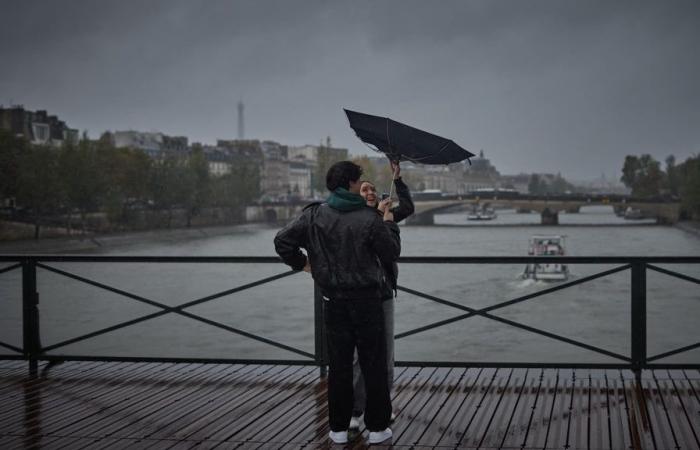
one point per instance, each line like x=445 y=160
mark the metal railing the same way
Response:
x=33 y=351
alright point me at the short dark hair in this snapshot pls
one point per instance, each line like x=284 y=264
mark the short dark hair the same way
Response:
x=341 y=174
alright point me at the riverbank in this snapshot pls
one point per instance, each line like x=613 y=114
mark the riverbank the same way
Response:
x=688 y=226
x=91 y=243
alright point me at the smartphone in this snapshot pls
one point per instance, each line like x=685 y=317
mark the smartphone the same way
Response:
x=385 y=195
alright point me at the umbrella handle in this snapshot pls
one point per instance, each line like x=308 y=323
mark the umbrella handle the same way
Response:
x=393 y=176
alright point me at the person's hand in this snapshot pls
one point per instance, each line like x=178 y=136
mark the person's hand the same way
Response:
x=307 y=267
x=384 y=205
x=388 y=215
x=395 y=169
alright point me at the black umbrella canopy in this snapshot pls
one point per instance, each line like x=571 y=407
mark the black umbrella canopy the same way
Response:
x=401 y=142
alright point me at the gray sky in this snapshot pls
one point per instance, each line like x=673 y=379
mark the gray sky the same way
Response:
x=560 y=85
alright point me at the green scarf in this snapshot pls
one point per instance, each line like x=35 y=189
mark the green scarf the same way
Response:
x=344 y=200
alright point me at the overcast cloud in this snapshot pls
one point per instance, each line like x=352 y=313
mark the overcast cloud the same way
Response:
x=546 y=86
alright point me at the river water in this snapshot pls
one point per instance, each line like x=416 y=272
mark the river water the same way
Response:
x=597 y=312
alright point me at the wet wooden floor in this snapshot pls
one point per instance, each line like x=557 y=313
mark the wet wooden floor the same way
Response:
x=114 y=405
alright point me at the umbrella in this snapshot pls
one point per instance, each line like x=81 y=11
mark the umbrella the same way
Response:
x=404 y=143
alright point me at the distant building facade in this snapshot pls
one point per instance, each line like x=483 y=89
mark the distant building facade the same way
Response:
x=38 y=127
x=153 y=143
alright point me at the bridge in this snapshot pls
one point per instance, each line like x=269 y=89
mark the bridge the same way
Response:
x=72 y=399
x=663 y=210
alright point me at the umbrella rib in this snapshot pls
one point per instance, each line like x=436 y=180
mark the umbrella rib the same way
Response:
x=388 y=139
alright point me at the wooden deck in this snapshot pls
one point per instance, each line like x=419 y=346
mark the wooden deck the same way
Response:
x=110 y=405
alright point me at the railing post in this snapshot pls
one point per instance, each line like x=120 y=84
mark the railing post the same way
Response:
x=30 y=315
x=321 y=349
x=639 y=318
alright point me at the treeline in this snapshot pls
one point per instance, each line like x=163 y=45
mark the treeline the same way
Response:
x=93 y=176
x=539 y=185
x=645 y=177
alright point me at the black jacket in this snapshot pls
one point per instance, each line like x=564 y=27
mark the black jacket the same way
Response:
x=403 y=210
x=348 y=250
x=405 y=207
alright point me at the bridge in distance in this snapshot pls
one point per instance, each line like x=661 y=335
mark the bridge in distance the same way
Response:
x=663 y=209
x=549 y=206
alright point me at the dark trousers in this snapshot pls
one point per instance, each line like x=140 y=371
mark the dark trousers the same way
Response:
x=357 y=324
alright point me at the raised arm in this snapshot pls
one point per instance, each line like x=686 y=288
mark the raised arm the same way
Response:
x=405 y=207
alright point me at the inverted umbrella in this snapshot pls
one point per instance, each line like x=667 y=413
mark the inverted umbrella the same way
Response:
x=401 y=142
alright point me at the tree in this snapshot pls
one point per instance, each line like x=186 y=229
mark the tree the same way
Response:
x=237 y=188
x=81 y=178
x=689 y=186
x=39 y=188
x=126 y=174
x=672 y=175
x=643 y=175
x=170 y=183
x=11 y=149
x=535 y=185
x=197 y=176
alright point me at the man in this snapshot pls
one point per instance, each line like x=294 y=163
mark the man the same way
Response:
x=347 y=245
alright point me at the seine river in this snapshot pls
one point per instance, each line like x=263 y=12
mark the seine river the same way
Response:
x=597 y=312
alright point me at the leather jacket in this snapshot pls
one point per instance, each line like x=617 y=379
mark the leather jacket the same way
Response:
x=347 y=250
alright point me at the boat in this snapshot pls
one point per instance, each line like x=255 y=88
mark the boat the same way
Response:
x=547 y=245
x=484 y=213
x=633 y=214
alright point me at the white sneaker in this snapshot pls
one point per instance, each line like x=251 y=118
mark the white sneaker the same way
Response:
x=355 y=423
x=339 y=437
x=375 y=437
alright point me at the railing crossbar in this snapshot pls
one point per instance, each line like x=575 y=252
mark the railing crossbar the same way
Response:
x=11 y=347
x=517 y=325
x=674 y=274
x=557 y=288
x=166 y=309
x=12 y=267
x=674 y=352
x=506 y=303
x=240 y=288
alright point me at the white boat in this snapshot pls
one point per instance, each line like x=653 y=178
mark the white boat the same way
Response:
x=633 y=214
x=547 y=245
x=482 y=214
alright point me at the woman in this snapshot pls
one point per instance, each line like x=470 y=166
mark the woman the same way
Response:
x=405 y=208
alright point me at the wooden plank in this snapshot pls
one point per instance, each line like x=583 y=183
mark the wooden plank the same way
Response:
x=521 y=417
x=577 y=427
x=558 y=422
x=500 y=419
x=230 y=419
x=469 y=393
x=663 y=436
x=44 y=401
x=676 y=416
x=35 y=385
x=418 y=414
x=619 y=422
x=641 y=433
x=182 y=400
x=90 y=413
x=448 y=401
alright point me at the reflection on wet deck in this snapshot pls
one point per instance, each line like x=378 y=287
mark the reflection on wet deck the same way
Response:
x=163 y=405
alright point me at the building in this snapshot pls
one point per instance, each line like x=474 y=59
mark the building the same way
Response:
x=300 y=172
x=218 y=160
x=38 y=127
x=153 y=143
